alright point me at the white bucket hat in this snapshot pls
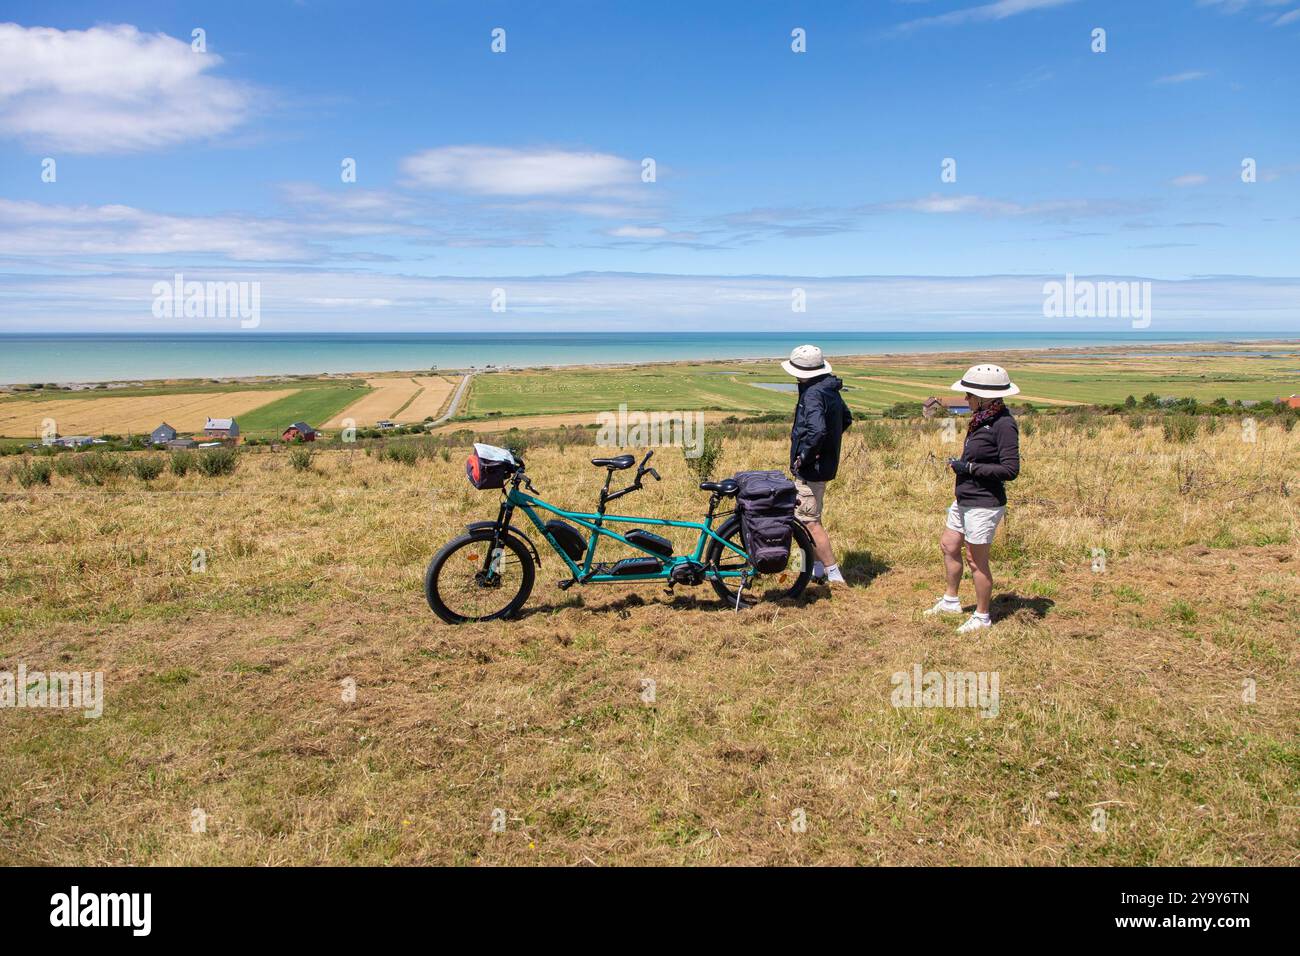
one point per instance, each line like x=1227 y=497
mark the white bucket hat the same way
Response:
x=986 y=381
x=806 y=362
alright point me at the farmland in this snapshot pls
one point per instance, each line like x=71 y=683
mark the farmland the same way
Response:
x=874 y=383
x=398 y=398
x=261 y=409
x=1160 y=686
x=185 y=411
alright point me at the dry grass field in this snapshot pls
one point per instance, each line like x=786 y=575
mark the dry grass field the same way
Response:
x=1124 y=689
x=430 y=400
x=186 y=412
x=401 y=399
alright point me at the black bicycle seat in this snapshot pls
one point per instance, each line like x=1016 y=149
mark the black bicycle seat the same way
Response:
x=726 y=487
x=621 y=462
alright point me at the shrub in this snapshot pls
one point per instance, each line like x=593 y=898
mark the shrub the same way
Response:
x=1180 y=428
x=517 y=442
x=95 y=468
x=147 y=467
x=300 y=459
x=703 y=466
x=30 y=473
x=404 y=453
x=903 y=410
x=182 y=461
x=876 y=435
x=217 y=461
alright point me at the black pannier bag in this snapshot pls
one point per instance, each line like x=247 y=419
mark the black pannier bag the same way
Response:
x=766 y=500
x=487 y=466
x=569 y=538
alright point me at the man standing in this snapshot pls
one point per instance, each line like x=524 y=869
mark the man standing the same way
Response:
x=820 y=418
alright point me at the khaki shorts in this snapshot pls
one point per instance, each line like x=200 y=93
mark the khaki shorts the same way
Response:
x=809 y=506
x=976 y=525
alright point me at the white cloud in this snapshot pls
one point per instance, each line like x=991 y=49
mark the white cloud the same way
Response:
x=111 y=89
x=34 y=229
x=1236 y=6
x=1286 y=18
x=638 y=232
x=1189 y=179
x=998 y=10
x=1186 y=77
x=328 y=299
x=1047 y=209
x=497 y=171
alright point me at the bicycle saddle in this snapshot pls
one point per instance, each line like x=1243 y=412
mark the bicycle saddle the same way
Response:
x=726 y=487
x=621 y=462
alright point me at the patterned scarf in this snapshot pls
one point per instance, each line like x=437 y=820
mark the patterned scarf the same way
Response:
x=985 y=415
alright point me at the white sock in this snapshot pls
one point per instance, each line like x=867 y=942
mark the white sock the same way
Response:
x=952 y=599
x=982 y=616
x=833 y=573
x=819 y=569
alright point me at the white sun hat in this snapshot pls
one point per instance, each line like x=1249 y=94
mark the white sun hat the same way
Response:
x=986 y=381
x=806 y=362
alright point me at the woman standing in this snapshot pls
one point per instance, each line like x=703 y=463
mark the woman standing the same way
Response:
x=989 y=458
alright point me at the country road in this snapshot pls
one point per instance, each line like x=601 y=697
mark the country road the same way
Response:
x=455 y=401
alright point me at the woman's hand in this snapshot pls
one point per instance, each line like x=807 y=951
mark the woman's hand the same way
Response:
x=959 y=466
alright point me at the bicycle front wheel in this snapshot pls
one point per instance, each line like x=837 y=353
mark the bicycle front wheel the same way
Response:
x=475 y=579
x=783 y=585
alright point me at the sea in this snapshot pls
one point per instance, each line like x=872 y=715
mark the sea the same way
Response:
x=103 y=357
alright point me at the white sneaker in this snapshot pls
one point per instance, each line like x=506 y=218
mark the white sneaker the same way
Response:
x=976 y=623
x=944 y=607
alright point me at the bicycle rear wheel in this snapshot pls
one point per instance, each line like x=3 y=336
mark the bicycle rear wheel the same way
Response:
x=782 y=585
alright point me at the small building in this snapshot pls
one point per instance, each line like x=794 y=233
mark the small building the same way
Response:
x=182 y=443
x=1291 y=402
x=221 y=428
x=299 y=431
x=385 y=423
x=162 y=434
x=72 y=441
x=945 y=405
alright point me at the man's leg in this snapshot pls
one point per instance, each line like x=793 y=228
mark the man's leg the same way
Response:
x=978 y=555
x=809 y=512
x=821 y=543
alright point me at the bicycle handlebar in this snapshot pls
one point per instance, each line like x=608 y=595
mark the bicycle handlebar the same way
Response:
x=642 y=470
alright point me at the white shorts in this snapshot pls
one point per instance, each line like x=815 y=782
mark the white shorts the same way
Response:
x=976 y=525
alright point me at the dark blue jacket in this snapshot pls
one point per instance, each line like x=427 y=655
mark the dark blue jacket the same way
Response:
x=820 y=418
x=993 y=451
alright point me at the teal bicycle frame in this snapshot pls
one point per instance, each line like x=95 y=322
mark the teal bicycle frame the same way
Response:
x=593 y=521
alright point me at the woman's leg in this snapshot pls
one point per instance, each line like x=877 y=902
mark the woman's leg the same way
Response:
x=950 y=544
x=978 y=556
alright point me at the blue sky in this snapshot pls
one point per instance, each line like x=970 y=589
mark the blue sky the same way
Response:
x=522 y=170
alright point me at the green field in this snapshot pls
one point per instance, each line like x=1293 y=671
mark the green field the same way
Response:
x=314 y=404
x=875 y=383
